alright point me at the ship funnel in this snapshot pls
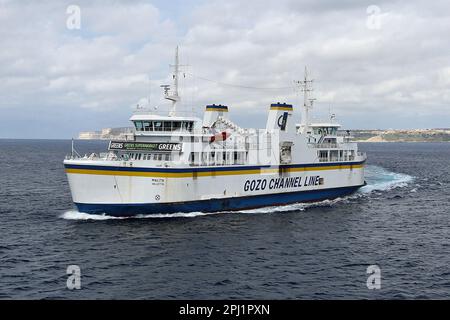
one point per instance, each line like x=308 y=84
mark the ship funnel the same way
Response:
x=280 y=118
x=212 y=112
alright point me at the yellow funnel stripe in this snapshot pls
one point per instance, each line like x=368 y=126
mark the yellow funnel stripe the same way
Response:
x=282 y=108
x=217 y=109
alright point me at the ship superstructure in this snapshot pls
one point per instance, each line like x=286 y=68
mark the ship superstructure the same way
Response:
x=175 y=163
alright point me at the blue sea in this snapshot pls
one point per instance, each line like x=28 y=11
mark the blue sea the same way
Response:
x=399 y=222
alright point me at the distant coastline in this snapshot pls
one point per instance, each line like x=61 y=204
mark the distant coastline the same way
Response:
x=360 y=135
x=398 y=135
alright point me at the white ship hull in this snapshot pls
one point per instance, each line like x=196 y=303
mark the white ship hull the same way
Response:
x=100 y=187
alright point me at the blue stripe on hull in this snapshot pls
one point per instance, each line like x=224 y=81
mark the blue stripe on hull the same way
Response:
x=208 y=169
x=212 y=205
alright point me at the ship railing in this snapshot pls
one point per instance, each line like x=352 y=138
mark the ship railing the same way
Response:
x=344 y=134
x=324 y=145
x=94 y=156
x=121 y=137
x=336 y=159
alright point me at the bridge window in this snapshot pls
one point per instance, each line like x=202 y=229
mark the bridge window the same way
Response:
x=163 y=125
x=158 y=125
x=138 y=125
x=167 y=126
x=187 y=125
x=148 y=126
x=332 y=131
x=176 y=125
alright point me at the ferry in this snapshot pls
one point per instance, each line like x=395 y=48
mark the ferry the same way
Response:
x=174 y=163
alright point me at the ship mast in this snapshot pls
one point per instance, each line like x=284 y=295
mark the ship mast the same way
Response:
x=174 y=97
x=305 y=87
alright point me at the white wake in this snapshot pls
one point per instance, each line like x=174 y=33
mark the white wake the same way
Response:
x=76 y=215
x=380 y=179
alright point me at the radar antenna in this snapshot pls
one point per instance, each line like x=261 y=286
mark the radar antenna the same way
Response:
x=166 y=88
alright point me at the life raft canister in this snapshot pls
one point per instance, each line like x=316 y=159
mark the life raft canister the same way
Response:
x=220 y=136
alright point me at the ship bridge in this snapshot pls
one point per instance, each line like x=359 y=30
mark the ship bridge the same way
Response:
x=329 y=129
x=151 y=125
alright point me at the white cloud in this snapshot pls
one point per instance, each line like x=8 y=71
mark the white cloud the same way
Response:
x=104 y=66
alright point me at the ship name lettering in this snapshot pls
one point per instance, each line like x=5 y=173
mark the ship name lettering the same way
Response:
x=313 y=181
x=116 y=145
x=255 y=185
x=288 y=182
x=275 y=183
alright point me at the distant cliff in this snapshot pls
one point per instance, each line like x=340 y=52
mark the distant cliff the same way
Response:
x=413 y=135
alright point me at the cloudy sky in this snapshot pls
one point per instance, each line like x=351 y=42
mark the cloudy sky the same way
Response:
x=376 y=64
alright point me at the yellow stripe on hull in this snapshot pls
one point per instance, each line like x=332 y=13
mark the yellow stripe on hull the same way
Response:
x=207 y=173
